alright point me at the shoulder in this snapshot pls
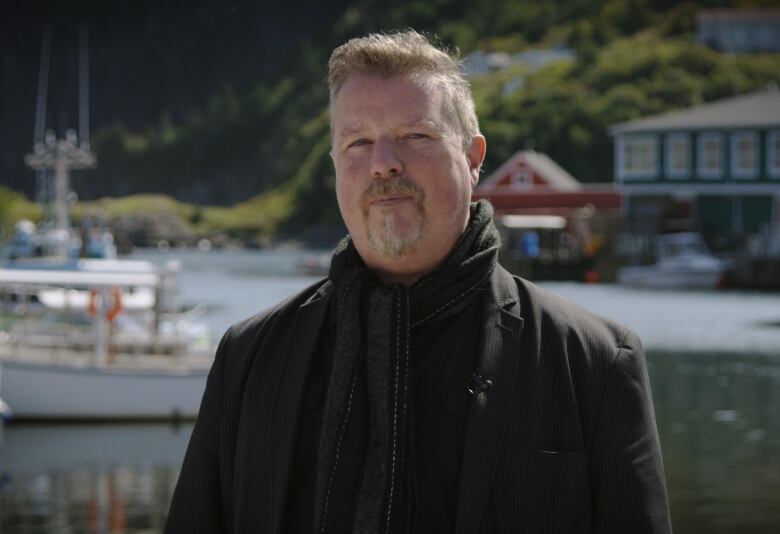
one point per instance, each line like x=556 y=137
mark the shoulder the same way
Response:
x=248 y=335
x=561 y=326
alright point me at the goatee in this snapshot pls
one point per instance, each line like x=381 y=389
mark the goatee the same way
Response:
x=390 y=240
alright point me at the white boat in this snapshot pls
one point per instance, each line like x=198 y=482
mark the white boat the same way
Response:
x=48 y=390
x=89 y=338
x=682 y=261
x=147 y=362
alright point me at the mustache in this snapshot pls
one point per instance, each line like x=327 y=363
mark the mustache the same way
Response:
x=398 y=185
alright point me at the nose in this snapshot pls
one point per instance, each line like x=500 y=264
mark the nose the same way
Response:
x=385 y=160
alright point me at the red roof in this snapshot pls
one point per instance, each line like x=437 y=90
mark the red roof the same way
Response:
x=531 y=181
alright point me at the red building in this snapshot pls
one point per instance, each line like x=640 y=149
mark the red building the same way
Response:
x=553 y=226
x=532 y=183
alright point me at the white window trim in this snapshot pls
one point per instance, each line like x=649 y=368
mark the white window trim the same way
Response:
x=735 y=137
x=772 y=172
x=637 y=175
x=671 y=173
x=700 y=170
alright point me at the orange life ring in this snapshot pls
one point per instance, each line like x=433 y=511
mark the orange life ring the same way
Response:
x=116 y=306
x=92 y=306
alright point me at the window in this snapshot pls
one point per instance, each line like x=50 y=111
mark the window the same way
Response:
x=744 y=155
x=522 y=177
x=678 y=155
x=773 y=154
x=710 y=155
x=638 y=156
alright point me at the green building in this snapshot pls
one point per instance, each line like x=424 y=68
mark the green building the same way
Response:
x=713 y=168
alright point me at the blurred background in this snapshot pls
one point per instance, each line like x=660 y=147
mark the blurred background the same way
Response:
x=164 y=173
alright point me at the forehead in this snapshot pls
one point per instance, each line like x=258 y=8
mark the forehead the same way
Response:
x=396 y=100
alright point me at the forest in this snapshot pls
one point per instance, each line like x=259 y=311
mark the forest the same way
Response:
x=245 y=152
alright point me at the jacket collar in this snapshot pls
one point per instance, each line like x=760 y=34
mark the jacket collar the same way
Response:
x=498 y=362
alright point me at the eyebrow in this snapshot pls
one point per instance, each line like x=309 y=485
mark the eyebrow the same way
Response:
x=350 y=129
x=357 y=127
x=422 y=121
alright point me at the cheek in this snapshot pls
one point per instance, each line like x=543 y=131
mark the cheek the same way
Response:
x=348 y=198
x=452 y=205
x=345 y=180
x=348 y=177
x=344 y=197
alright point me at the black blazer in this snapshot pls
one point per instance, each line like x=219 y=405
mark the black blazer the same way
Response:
x=564 y=442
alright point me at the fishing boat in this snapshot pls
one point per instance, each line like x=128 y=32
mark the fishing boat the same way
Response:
x=84 y=335
x=102 y=361
x=682 y=262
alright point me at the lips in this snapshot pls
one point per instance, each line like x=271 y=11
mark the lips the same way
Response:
x=390 y=200
x=389 y=193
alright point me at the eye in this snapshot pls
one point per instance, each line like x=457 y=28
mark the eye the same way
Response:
x=358 y=142
x=416 y=135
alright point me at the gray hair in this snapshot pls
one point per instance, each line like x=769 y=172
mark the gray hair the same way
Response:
x=407 y=53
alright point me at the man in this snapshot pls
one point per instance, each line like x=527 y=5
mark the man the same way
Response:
x=420 y=388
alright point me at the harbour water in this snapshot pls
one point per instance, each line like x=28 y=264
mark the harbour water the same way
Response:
x=714 y=361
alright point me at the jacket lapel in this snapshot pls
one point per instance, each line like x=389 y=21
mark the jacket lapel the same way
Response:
x=292 y=381
x=498 y=362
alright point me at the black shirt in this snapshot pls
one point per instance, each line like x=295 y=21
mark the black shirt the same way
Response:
x=444 y=353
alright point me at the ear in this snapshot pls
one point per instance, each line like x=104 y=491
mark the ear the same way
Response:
x=476 y=155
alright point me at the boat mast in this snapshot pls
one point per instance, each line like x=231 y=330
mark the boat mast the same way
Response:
x=83 y=87
x=61 y=155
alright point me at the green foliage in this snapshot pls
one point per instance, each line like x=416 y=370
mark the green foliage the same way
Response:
x=13 y=208
x=114 y=208
x=566 y=110
x=270 y=144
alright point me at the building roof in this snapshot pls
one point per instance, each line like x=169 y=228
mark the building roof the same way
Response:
x=759 y=109
x=730 y=15
x=531 y=182
x=550 y=173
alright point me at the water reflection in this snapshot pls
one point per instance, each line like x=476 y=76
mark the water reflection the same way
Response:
x=719 y=421
x=718 y=416
x=89 y=478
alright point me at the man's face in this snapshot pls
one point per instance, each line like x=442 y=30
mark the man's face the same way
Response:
x=403 y=181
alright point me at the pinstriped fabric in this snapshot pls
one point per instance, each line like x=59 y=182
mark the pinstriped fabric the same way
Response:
x=541 y=483
x=564 y=442
x=271 y=403
x=230 y=442
x=488 y=417
x=581 y=452
x=293 y=377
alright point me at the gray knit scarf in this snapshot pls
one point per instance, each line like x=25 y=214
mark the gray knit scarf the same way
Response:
x=361 y=474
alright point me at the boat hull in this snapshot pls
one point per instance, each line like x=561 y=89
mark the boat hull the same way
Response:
x=653 y=277
x=37 y=391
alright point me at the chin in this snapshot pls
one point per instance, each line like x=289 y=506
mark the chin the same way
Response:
x=389 y=241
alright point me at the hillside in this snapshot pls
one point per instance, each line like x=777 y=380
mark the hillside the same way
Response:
x=263 y=147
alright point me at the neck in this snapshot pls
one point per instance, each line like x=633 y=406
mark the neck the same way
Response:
x=400 y=275
x=405 y=280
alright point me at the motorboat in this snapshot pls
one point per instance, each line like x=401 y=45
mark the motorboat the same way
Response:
x=682 y=261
